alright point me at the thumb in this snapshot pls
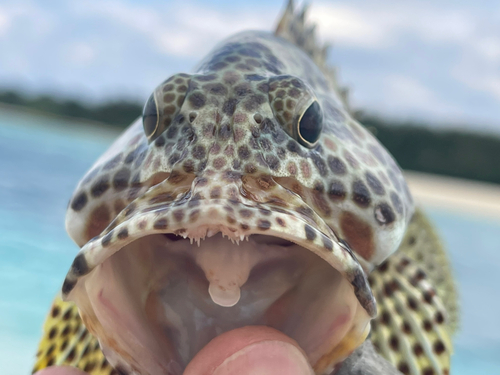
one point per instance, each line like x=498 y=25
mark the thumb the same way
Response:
x=250 y=350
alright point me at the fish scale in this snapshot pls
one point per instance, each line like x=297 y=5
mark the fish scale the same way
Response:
x=258 y=140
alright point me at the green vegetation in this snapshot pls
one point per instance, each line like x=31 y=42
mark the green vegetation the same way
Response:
x=119 y=113
x=449 y=152
x=415 y=146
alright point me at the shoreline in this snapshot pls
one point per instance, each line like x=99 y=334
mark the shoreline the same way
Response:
x=455 y=194
x=432 y=191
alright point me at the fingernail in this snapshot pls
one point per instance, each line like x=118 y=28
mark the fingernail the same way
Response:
x=266 y=358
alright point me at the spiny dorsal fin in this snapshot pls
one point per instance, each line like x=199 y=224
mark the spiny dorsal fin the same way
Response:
x=66 y=341
x=411 y=328
x=293 y=27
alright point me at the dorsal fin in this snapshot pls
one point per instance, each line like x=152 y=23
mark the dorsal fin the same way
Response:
x=294 y=28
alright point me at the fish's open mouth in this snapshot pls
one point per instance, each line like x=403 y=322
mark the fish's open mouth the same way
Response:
x=156 y=299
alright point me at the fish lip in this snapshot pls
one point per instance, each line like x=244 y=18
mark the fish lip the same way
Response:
x=161 y=220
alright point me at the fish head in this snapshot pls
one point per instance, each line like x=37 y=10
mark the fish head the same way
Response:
x=238 y=199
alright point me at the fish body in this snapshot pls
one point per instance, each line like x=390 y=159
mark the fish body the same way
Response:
x=255 y=145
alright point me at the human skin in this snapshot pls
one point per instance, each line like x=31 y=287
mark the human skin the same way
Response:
x=243 y=351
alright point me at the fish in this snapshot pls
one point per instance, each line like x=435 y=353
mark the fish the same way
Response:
x=248 y=194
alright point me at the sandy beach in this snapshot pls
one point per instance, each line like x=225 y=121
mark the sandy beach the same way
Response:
x=453 y=194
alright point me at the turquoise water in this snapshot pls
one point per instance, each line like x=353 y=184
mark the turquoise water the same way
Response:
x=42 y=159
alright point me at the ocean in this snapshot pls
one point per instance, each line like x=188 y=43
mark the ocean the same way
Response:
x=41 y=160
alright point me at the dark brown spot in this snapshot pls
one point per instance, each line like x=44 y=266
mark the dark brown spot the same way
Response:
x=394 y=342
x=406 y=328
x=337 y=191
x=160 y=142
x=65 y=331
x=121 y=178
x=71 y=355
x=281 y=222
x=386 y=318
x=106 y=240
x=64 y=345
x=112 y=163
x=55 y=311
x=439 y=317
x=272 y=161
x=194 y=215
x=358 y=234
x=169 y=97
x=310 y=232
x=427 y=325
x=404 y=368
x=327 y=243
x=122 y=234
x=412 y=304
x=52 y=333
x=390 y=288
x=179 y=215
x=215 y=193
x=219 y=163
x=374 y=183
x=360 y=194
x=80 y=266
x=336 y=165
x=428 y=295
x=428 y=371
x=161 y=224
x=100 y=187
x=244 y=152
x=67 y=315
x=383 y=267
x=264 y=224
x=397 y=202
x=439 y=347
x=229 y=106
x=418 y=350
x=199 y=152
x=79 y=201
x=89 y=367
x=197 y=100
x=253 y=102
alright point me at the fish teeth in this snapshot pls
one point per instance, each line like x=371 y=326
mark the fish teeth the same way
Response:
x=211 y=232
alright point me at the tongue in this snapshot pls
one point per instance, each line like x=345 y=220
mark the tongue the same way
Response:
x=250 y=350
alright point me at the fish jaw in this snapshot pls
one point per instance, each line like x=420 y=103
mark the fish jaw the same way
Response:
x=126 y=316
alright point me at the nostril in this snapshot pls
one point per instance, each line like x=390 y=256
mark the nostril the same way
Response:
x=192 y=116
x=258 y=118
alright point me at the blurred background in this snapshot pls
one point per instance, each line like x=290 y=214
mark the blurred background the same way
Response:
x=423 y=76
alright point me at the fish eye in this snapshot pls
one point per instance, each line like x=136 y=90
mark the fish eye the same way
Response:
x=150 y=117
x=309 y=125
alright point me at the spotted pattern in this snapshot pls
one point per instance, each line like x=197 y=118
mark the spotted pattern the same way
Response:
x=411 y=329
x=226 y=136
x=68 y=343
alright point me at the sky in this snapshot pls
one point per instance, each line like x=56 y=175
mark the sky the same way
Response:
x=434 y=61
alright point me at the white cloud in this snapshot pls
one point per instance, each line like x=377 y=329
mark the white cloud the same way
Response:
x=183 y=30
x=4 y=22
x=407 y=94
x=382 y=24
x=81 y=54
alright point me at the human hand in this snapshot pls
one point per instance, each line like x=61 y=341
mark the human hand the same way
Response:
x=243 y=351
